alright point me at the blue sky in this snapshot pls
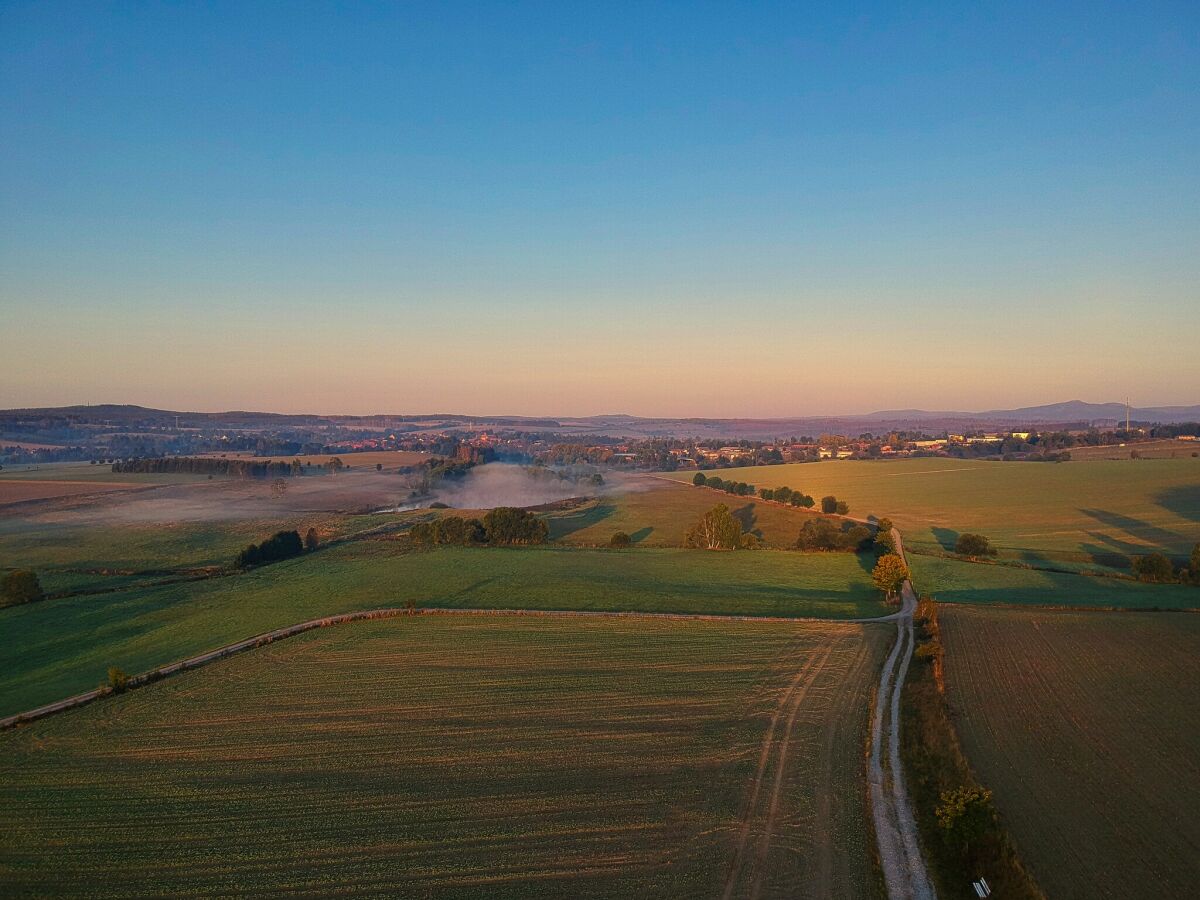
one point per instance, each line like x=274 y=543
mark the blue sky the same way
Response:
x=569 y=208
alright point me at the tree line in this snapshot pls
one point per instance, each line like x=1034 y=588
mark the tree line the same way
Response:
x=240 y=468
x=500 y=527
x=281 y=545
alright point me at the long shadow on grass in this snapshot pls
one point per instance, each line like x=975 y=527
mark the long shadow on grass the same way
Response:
x=946 y=537
x=1137 y=528
x=1183 y=500
x=564 y=525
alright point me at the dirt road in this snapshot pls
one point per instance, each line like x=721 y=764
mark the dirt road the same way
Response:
x=895 y=827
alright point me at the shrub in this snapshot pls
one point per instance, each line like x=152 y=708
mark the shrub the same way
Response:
x=973 y=545
x=311 y=541
x=20 y=586
x=884 y=542
x=842 y=508
x=620 y=539
x=698 y=479
x=714 y=481
x=117 y=680
x=829 y=504
x=1153 y=567
x=965 y=815
x=281 y=545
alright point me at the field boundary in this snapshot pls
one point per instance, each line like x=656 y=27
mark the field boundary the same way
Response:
x=260 y=640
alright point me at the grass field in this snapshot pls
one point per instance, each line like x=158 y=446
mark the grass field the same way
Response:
x=1036 y=512
x=1085 y=726
x=65 y=646
x=23 y=490
x=435 y=757
x=658 y=513
x=958 y=581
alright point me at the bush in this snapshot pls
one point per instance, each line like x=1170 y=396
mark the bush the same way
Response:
x=311 y=541
x=698 y=479
x=20 y=586
x=884 y=542
x=714 y=481
x=620 y=539
x=1153 y=567
x=826 y=534
x=973 y=545
x=965 y=815
x=842 y=508
x=281 y=545
x=829 y=504
x=118 y=681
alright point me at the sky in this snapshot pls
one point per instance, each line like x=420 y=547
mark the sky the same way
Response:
x=579 y=208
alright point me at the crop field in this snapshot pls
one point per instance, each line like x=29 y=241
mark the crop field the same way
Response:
x=1085 y=726
x=1094 y=514
x=959 y=581
x=656 y=512
x=389 y=459
x=433 y=756
x=25 y=489
x=99 y=473
x=67 y=645
x=1164 y=449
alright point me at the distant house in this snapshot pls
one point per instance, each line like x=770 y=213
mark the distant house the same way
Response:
x=1021 y=435
x=825 y=452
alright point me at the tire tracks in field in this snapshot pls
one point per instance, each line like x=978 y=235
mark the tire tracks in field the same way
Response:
x=774 y=748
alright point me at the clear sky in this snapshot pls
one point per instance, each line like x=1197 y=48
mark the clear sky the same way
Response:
x=570 y=208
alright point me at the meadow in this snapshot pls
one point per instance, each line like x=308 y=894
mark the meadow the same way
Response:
x=436 y=756
x=1093 y=513
x=656 y=512
x=1085 y=726
x=64 y=646
x=960 y=581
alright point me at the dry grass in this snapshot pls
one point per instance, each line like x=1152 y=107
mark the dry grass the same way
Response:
x=436 y=757
x=1085 y=726
x=14 y=491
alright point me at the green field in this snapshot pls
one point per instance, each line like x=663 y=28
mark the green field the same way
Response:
x=1092 y=513
x=1086 y=726
x=959 y=581
x=61 y=647
x=658 y=513
x=441 y=756
x=90 y=550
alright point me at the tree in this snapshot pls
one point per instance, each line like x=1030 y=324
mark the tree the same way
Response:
x=715 y=481
x=1194 y=564
x=698 y=479
x=620 y=539
x=334 y=466
x=1153 y=567
x=278 y=487
x=20 y=586
x=842 y=508
x=973 y=545
x=378 y=467
x=884 y=542
x=829 y=504
x=311 y=541
x=889 y=574
x=509 y=525
x=964 y=815
x=716 y=530
x=884 y=524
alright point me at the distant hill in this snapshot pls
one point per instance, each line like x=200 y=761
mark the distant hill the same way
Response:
x=1072 y=413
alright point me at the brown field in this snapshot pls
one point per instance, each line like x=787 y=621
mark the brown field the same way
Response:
x=388 y=458
x=29 y=445
x=13 y=491
x=1086 y=727
x=1147 y=450
x=452 y=756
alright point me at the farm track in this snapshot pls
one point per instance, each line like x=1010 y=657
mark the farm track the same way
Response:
x=895 y=825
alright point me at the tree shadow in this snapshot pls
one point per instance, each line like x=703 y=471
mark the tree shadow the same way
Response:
x=1183 y=500
x=576 y=520
x=1138 y=528
x=747 y=517
x=641 y=534
x=866 y=560
x=946 y=538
